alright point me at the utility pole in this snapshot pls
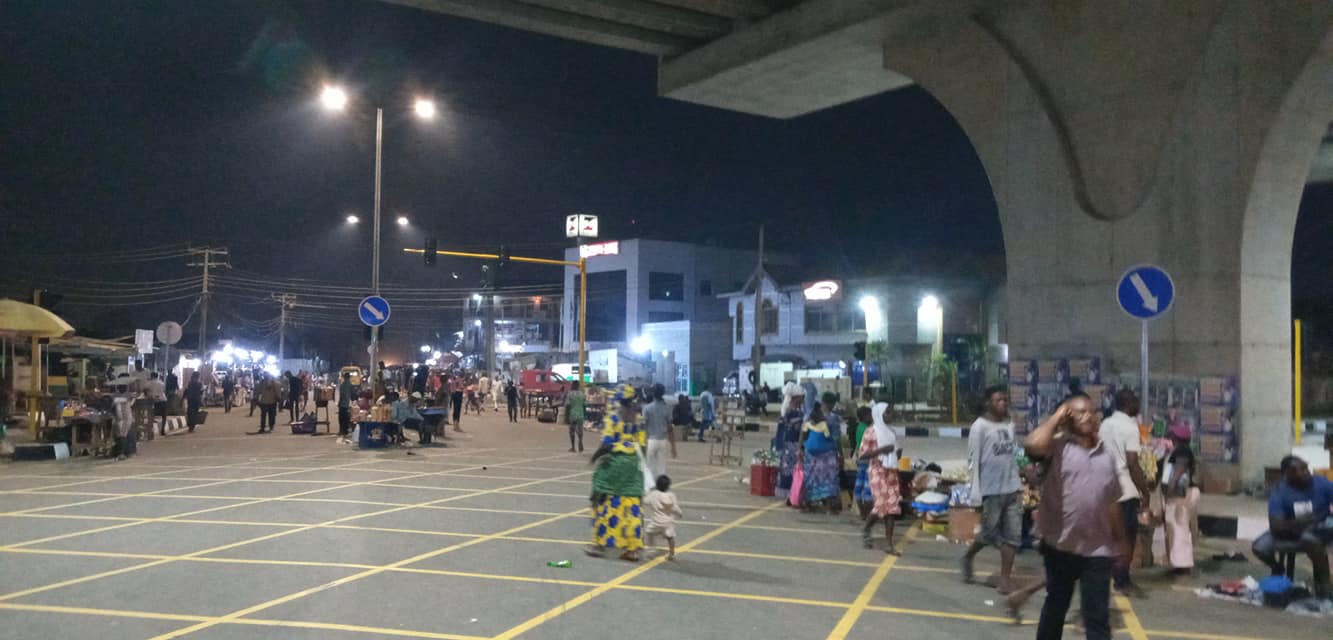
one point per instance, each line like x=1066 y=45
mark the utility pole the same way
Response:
x=208 y=253
x=491 y=299
x=757 y=349
x=286 y=300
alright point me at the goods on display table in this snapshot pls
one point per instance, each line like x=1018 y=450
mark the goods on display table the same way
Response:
x=86 y=430
x=377 y=435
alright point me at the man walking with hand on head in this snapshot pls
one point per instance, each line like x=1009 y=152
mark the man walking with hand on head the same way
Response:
x=991 y=454
x=1079 y=517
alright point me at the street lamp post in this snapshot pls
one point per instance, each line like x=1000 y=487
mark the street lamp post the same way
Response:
x=335 y=99
x=375 y=259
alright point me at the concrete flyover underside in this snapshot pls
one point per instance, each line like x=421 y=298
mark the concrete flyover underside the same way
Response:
x=1179 y=134
x=1113 y=134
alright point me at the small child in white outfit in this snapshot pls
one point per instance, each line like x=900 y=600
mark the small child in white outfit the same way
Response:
x=663 y=509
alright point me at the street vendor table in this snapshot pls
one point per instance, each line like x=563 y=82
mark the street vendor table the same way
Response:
x=89 y=433
x=378 y=435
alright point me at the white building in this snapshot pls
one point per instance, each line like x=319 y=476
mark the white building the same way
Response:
x=657 y=302
x=809 y=323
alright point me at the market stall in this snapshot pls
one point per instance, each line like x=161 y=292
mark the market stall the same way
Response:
x=20 y=320
x=87 y=430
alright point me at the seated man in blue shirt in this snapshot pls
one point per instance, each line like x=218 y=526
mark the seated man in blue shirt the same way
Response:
x=406 y=415
x=1299 y=512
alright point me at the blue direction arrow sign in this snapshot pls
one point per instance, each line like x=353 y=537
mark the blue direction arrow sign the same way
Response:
x=1145 y=291
x=374 y=311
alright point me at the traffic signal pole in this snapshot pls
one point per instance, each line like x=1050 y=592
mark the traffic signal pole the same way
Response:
x=581 y=264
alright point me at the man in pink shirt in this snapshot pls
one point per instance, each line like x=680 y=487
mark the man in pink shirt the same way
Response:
x=1078 y=518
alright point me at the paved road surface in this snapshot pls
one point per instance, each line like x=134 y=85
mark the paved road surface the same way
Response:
x=219 y=534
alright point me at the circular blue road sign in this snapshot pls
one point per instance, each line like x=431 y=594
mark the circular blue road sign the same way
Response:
x=373 y=311
x=1145 y=291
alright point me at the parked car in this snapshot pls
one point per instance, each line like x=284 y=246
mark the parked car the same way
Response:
x=356 y=374
x=544 y=381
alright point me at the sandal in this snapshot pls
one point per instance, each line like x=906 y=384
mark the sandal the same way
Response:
x=630 y=556
x=593 y=551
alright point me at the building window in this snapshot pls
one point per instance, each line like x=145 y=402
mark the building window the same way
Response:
x=705 y=287
x=740 y=323
x=665 y=316
x=607 y=311
x=852 y=319
x=666 y=286
x=821 y=318
x=768 y=318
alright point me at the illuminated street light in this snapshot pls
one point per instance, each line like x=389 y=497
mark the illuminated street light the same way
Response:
x=333 y=98
x=930 y=303
x=424 y=108
x=352 y=219
x=641 y=344
x=436 y=355
x=425 y=348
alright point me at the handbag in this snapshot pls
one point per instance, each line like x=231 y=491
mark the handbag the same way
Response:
x=649 y=482
x=797 y=483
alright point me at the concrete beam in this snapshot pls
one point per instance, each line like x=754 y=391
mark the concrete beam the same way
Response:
x=816 y=55
x=647 y=15
x=731 y=9
x=560 y=24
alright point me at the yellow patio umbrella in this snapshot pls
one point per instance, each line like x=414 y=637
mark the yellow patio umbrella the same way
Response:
x=23 y=320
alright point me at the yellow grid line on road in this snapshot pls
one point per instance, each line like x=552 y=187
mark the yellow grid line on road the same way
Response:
x=1190 y=635
x=183 y=520
x=853 y=613
x=241 y=613
x=302 y=624
x=939 y=614
x=121 y=525
x=455 y=534
x=291 y=624
x=644 y=588
x=175 y=469
x=1131 y=619
x=10 y=596
x=242 y=500
x=555 y=612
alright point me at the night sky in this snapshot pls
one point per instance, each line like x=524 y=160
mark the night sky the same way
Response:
x=132 y=125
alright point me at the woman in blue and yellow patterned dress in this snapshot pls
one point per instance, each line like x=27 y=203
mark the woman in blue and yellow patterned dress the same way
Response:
x=617 y=481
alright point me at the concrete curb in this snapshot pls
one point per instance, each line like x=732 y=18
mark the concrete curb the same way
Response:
x=1228 y=527
x=932 y=432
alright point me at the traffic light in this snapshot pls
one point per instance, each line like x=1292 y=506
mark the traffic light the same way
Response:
x=500 y=267
x=431 y=251
x=859 y=350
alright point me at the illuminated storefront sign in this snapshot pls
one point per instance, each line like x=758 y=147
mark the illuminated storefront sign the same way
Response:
x=822 y=290
x=600 y=249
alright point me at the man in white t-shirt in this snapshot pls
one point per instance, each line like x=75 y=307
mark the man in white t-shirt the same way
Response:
x=483 y=390
x=1120 y=435
x=996 y=486
x=156 y=390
